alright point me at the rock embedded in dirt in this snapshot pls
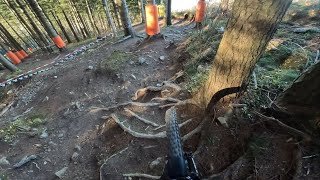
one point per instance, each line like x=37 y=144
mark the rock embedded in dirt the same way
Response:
x=61 y=172
x=77 y=148
x=142 y=60
x=75 y=157
x=4 y=161
x=51 y=143
x=90 y=68
x=162 y=58
x=55 y=77
x=133 y=76
x=60 y=135
x=155 y=163
x=25 y=160
x=44 y=134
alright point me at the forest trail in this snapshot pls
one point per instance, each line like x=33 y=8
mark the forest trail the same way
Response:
x=68 y=134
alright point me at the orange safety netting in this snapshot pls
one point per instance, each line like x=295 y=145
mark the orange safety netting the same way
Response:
x=201 y=11
x=152 y=24
x=17 y=53
x=30 y=50
x=59 y=42
x=13 y=57
x=23 y=53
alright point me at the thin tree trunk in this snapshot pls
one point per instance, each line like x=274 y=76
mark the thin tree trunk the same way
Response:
x=61 y=26
x=13 y=29
x=26 y=25
x=35 y=27
x=102 y=22
x=168 y=13
x=71 y=26
x=91 y=18
x=15 y=43
x=110 y=21
x=43 y=19
x=125 y=18
x=249 y=29
x=115 y=10
x=76 y=21
x=143 y=12
x=302 y=97
x=6 y=63
x=80 y=18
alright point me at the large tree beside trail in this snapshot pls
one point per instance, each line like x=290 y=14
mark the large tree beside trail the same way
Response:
x=109 y=18
x=249 y=29
x=125 y=18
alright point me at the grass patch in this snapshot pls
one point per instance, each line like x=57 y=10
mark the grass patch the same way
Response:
x=9 y=133
x=114 y=62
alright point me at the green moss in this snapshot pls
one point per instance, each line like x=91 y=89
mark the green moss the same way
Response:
x=9 y=133
x=114 y=62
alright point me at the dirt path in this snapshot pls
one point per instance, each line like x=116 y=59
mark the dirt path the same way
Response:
x=62 y=97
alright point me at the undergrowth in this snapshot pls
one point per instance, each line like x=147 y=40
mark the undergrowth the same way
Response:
x=10 y=132
x=114 y=62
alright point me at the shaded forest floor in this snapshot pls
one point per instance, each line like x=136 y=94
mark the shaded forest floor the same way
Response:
x=53 y=117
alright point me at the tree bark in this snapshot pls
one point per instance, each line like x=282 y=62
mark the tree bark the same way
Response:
x=168 y=13
x=110 y=21
x=143 y=12
x=14 y=42
x=249 y=29
x=125 y=18
x=115 y=10
x=64 y=31
x=77 y=21
x=71 y=27
x=302 y=97
x=43 y=19
x=80 y=18
x=96 y=29
x=35 y=27
x=6 y=63
x=224 y=6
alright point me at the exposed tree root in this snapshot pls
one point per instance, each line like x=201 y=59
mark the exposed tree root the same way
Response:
x=96 y=109
x=176 y=76
x=142 y=92
x=193 y=132
x=170 y=99
x=236 y=170
x=148 y=176
x=289 y=129
x=141 y=118
x=137 y=134
x=6 y=108
x=180 y=125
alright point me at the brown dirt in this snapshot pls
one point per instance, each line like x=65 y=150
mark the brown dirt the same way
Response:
x=65 y=102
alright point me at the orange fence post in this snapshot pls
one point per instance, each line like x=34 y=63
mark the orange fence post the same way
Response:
x=201 y=11
x=152 y=23
x=17 y=53
x=30 y=50
x=59 y=42
x=13 y=57
x=23 y=53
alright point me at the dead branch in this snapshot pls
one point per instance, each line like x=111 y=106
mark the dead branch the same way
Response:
x=176 y=76
x=137 y=134
x=193 y=132
x=96 y=109
x=148 y=176
x=166 y=99
x=6 y=109
x=167 y=105
x=317 y=57
x=290 y=129
x=180 y=125
x=141 y=118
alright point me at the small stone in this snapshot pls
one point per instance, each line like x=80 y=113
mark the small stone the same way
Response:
x=223 y=121
x=155 y=163
x=60 y=135
x=61 y=172
x=51 y=143
x=133 y=76
x=90 y=67
x=142 y=60
x=55 y=77
x=77 y=148
x=4 y=161
x=46 y=99
x=75 y=156
x=44 y=134
x=131 y=62
x=162 y=58
x=200 y=68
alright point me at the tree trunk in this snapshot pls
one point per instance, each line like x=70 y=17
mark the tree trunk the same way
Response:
x=6 y=63
x=96 y=29
x=249 y=29
x=115 y=10
x=43 y=19
x=80 y=18
x=168 y=13
x=71 y=27
x=102 y=22
x=35 y=27
x=110 y=21
x=125 y=18
x=61 y=26
x=224 y=6
x=14 y=42
x=13 y=9
x=302 y=97
x=76 y=21
x=143 y=12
